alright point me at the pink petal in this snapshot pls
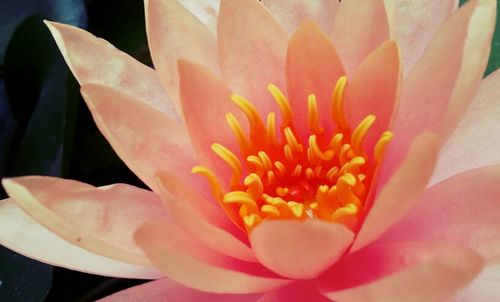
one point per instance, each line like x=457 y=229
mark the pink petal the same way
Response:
x=168 y=290
x=415 y=22
x=312 y=67
x=101 y=220
x=94 y=60
x=290 y=13
x=443 y=82
x=374 y=90
x=402 y=272
x=484 y=288
x=212 y=236
x=174 y=33
x=144 y=138
x=24 y=235
x=299 y=249
x=358 y=29
x=476 y=141
x=252 y=48
x=462 y=209
x=295 y=292
x=400 y=193
x=198 y=271
x=206 y=11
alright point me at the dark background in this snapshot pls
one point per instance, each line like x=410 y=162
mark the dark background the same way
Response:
x=46 y=129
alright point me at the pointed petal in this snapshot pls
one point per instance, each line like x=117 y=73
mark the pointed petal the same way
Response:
x=206 y=11
x=484 y=288
x=462 y=209
x=189 y=270
x=400 y=193
x=144 y=138
x=285 y=246
x=101 y=220
x=290 y=13
x=252 y=48
x=312 y=67
x=476 y=141
x=174 y=33
x=168 y=290
x=443 y=82
x=94 y=60
x=358 y=29
x=24 y=235
x=403 y=271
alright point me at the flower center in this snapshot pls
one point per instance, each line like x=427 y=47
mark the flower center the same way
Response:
x=325 y=177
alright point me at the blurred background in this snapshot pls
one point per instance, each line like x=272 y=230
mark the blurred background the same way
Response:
x=46 y=129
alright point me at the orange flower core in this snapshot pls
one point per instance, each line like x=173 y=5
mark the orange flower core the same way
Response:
x=326 y=177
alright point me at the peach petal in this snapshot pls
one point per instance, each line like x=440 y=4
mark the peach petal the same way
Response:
x=358 y=29
x=484 y=288
x=174 y=33
x=206 y=11
x=295 y=292
x=215 y=238
x=475 y=142
x=404 y=271
x=374 y=89
x=396 y=198
x=144 y=138
x=252 y=48
x=94 y=60
x=181 y=266
x=299 y=249
x=440 y=87
x=291 y=13
x=100 y=220
x=24 y=235
x=312 y=66
x=462 y=209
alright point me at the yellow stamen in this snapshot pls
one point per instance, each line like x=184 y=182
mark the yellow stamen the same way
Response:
x=270 y=210
x=256 y=124
x=257 y=164
x=282 y=192
x=288 y=153
x=284 y=105
x=266 y=161
x=381 y=145
x=292 y=140
x=243 y=198
x=238 y=133
x=312 y=107
x=360 y=132
x=281 y=168
x=231 y=159
x=212 y=180
x=271 y=129
x=254 y=184
x=296 y=172
x=325 y=156
x=251 y=221
x=338 y=103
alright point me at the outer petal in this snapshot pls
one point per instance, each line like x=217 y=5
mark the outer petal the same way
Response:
x=293 y=12
x=101 y=220
x=168 y=290
x=252 y=49
x=145 y=139
x=174 y=33
x=312 y=67
x=26 y=236
x=484 y=288
x=206 y=11
x=296 y=292
x=406 y=271
x=359 y=27
x=94 y=60
x=443 y=82
x=476 y=141
x=400 y=193
x=183 y=267
x=462 y=209
x=299 y=249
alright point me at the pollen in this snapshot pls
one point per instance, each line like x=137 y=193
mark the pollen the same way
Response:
x=281 y=174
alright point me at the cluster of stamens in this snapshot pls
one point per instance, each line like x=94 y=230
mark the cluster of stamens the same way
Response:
x=325 y=177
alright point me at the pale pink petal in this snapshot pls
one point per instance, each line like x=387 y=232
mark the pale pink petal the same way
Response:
x=24 y=235
x=206 y=11
x=290 y=13
x=178 y=263
x=144 y=138
x=484 y=288
x=101 y=220
x=312 y=67
x=252 y=48
x=296 y=292
x=94 y=60
x=462 y=209
x=402 y=272
x=299 y=249
x=443 y=82
x=174 y=33
x=476 y=141
x=168 y=290
x=359 y=27
x=400 y=193
x=212 y=236
x=374 y=89
x=415 y=22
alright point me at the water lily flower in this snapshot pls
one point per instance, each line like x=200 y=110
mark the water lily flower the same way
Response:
x=295 y=151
